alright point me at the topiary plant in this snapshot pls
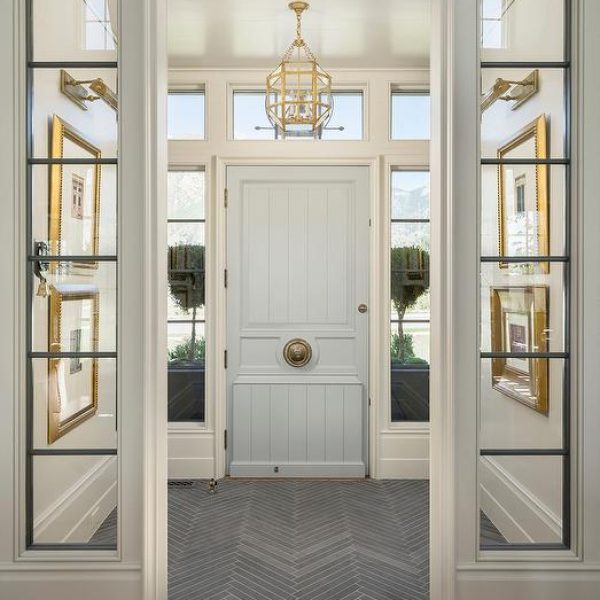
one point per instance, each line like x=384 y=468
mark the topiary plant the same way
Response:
x=186 y=286
x=409 y=281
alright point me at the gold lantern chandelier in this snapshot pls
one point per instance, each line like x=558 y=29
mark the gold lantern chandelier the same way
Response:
x=299 y=99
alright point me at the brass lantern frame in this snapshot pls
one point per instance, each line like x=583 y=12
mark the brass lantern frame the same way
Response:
x=299 y=95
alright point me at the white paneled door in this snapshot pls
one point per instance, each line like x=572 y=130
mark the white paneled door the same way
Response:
x=297 y=322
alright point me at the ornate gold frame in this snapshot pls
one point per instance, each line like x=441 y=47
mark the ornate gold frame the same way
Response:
x=61 y=130
x=506 y=379
x=56 y=427
x=536 y=130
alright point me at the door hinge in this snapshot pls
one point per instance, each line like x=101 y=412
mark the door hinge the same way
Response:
x=369 y=401
x=225 y=439
x=225 y=358
x=369 y=222
x=225 y=277
x=226 y=197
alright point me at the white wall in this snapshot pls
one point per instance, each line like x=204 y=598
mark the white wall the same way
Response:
x=398 y=451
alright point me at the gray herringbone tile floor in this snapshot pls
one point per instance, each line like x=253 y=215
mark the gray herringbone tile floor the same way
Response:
x=299 y=540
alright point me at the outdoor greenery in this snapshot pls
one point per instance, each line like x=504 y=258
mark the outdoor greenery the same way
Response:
x=189 y=351
x=407 y=352
x=409 y=282
x=186 y=286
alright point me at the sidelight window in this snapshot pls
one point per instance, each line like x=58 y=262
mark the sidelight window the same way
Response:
x=409 y=295
x=186 y=298
x=526 y=392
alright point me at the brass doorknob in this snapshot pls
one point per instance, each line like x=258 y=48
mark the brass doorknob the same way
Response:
x=362 y=308
x=297 y=352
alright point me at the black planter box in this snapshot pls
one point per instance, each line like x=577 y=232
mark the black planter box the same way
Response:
x=410 y=393
x=186 y=391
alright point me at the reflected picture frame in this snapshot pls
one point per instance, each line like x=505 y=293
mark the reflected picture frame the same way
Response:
x=71 y=308
x=77 y=203
x=535 y=132
x=519 y=323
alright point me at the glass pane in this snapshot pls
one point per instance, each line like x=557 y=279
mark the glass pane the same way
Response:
x=414 y=348
x=248 y=114
x=409 y=391
x=186 y=296
x=72 y=30
x=521 y=500
x=523 y=210
x=74 y=209
x=522 y=307
x=527 y=30
x=191 y=234
x=74 y=403
x=186 y=390
x=75 y=310
x=75 y=500
x=410 y=116
x=185 y=115
x=532 y=126
x=521 y=403
x=186 y=343
x=186 y=195
x=61 y=129
x=347 y=113
x=405 y=238
x=410 y=195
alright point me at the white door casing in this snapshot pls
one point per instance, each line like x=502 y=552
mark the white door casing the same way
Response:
x=297 y=255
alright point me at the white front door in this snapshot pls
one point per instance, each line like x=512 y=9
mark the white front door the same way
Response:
x=297 y=256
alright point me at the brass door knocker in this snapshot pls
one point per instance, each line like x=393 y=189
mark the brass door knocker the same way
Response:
x=297 y=352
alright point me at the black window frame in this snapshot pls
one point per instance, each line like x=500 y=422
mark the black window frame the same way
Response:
x=566 y=260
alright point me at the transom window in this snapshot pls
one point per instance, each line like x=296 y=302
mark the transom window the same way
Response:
x=250 y=120
x=410 y=118
x=186 y=114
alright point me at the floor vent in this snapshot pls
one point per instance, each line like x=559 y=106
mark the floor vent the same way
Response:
x=181 y=483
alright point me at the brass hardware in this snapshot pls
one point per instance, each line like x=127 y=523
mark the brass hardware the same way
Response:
x=212 y=486
x=362 y=308
x=299 y=98
x=75 y=90
x=516 y=92
x=297 y=352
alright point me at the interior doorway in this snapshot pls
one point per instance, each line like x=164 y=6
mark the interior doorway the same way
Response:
x=297 y=320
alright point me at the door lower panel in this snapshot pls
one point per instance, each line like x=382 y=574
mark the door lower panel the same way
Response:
x=297 y=430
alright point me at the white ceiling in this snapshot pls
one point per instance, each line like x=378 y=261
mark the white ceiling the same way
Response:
x=342 y=33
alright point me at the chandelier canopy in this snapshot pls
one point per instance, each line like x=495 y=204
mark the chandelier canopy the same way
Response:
x=299 y=98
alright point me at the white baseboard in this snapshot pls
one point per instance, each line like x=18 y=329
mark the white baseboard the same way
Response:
x=513 y=509
x=404 y=453
x=191 y=452
x=75 y=581
x=404 y=468
x=76 y=515
x=183 y=467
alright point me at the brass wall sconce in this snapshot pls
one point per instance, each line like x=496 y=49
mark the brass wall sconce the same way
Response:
x=515 y=92
x=78 y=93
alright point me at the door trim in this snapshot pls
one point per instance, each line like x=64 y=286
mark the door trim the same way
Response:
x=375 y=295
